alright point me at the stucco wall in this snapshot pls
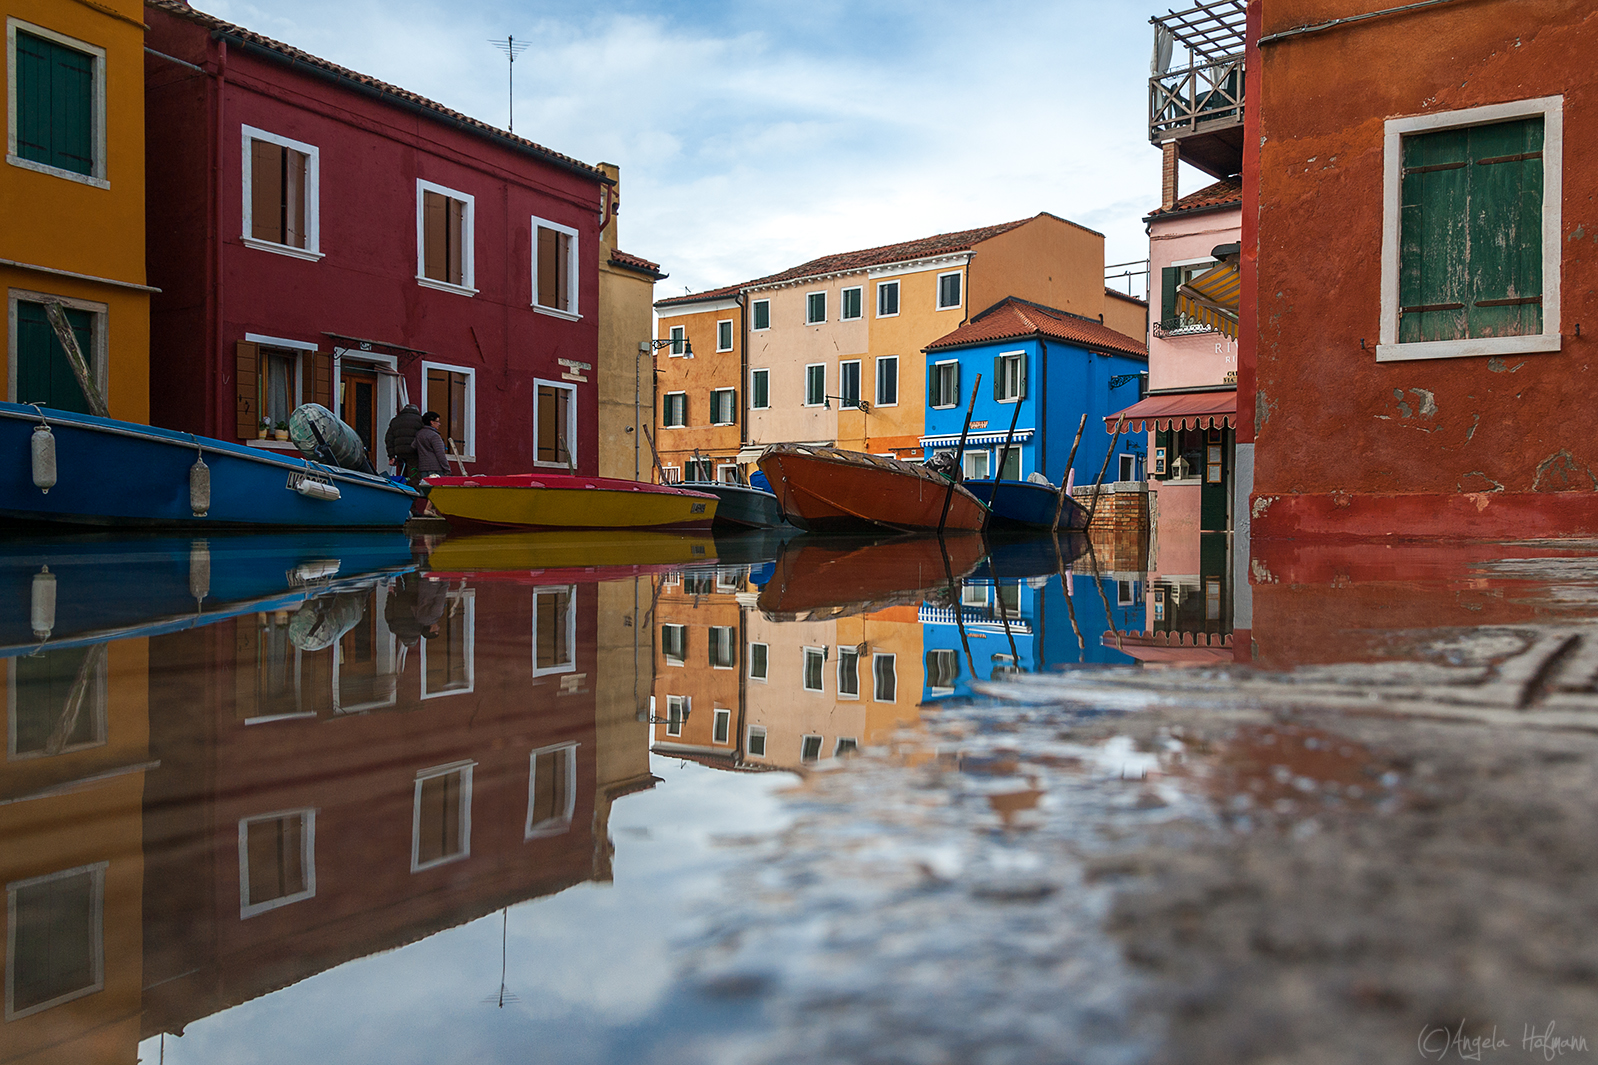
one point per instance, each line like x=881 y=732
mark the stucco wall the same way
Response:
x=1200 y=358
x=698 y=376
x=789 y=346
x=1048 y=260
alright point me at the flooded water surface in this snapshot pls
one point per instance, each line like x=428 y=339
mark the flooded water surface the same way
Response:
x=655 y=798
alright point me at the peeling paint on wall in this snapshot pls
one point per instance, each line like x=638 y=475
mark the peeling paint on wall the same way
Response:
x=1263 y=409
x=1476 y=482
x=1497 y=365
x=1563 y=474
x=1428 y=402
x=1261 y=505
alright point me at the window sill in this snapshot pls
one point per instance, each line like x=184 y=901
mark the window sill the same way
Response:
x=1462 y=349
x=723 y=351
x=880 y=404
x=953 y=307
x=674 y=427
x=895 y=314
x=723 y=423
x=273 y=444
x=944 y=406
x=556 y=312
x=445 y=286
x=308 y=254
x=856 y=318
x=56 y=171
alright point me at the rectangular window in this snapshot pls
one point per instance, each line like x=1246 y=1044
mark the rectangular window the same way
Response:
x=851 y=298
x=555 y=629
x=849 y=384
x=1125 y=593
x=888 y=381
x=697 y=470
x=948 y=290
x=1128 y=468
x=759 y=389
x=943 y=669
x=58 y=701
x=674 y=410
x=451 y=391
x=277 y=860
x=671 y=475
x=1471 y=241
x=555 y=425
x=551 y=790
x=1009 y=378
x=1012 y=464
x=976 y=465
x=448 y=660
x=280 y=194
x=724 y=335
x=555 y=268
x=974 y=595
x=55 y=939
x=848 y=673
x=756 y=743
x=281 y=386
x=676 y=714
x=700 y=582
x=721 y=726
x=727 y=473
x=762 y=314
x=723 y=407
x=887 y=299
x=815 y=308
x=43 y=373
x=758 y=653
x=810 y=748
x=441 y=816
x=815 y=384
x=678 y=335
x=723 y=647
x=1007 y=599
x=444 y=246
x=846 y=746
x=674 y=644
x=943 y=384
x=814 y=658
x=57 y=104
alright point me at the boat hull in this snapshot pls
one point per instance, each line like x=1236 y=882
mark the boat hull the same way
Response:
x=824 y=489
x=818 y=577
x=1027 y=505
x=535 y=501
x=742 y=506
x=115 y=473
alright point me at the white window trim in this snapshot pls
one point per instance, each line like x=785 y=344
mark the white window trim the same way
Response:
x=843 y=304
x=99 y=179
x=755 y=328
x=805 y=739
x=894 y=658
x=307 y=861
x=664 y=424
x=898 y=299
x=718 y=715
x=837 y=745
x=96 y=871
x=1551 y=108
x=713 y=393
x=765 y=677
x=672 y=660
x=720 y=467
x=856 y=364
x=467 y=597
x=561 y=823
x=767 y=371
x=732 y=635
x=937 y=291
x=313 y=197
x=816 y=321
x=808 y=367
x=804 y=676
x=879 y=402
x=667 y=471
x=96 y=698
x=468 y=241
x=100 y=336
x=471 y=402
x=464 y=768
x=572 y=273
x=839 y=678
x=947 y=362
x=687 y=705
x=571 y=424
x=1013 y=355
x=731 y=339
x=674 y=334
x=971 y=453
x=750 y=734
x=571 y=628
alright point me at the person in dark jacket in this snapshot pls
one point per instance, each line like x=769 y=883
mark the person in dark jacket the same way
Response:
x=431 y=456
x=400 y=438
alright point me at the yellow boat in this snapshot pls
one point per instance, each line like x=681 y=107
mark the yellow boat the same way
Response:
x=555 y=549
x=562 y=501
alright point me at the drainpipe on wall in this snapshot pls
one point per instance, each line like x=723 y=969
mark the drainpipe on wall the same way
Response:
x=743 y=388
x=1039 y=410
x=213 y=403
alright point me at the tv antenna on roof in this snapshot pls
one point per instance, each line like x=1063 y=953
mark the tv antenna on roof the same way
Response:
x=512 y=48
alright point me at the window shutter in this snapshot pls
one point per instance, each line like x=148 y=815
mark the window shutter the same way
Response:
x=998 y=377
x=732 y=405
x=246 y=648
x=1169 y=276
x=932 y=386
x=454 y=224
x=294 y=198
x=1505 y=215
x=433 y=236
x=1020 y=391
x=266 y=191
x=1433 y=225
x=247 y=371
x=548 y=276
x=321 y=367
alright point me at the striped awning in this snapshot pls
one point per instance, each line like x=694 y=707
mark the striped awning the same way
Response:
x=976 y=439
x=1211 y=298
x=1180 y=410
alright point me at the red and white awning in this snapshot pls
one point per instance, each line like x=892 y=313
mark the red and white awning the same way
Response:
x=1179 y=410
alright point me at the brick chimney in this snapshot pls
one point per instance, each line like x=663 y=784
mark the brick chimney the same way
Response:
x=1168 y=193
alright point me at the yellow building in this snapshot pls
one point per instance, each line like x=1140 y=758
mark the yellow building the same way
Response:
x=626 y=290
x=72 y=196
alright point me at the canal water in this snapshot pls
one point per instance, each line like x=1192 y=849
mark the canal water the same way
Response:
x=654 y=798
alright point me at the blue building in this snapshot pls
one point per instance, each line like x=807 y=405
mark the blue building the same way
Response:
x=1053 y=365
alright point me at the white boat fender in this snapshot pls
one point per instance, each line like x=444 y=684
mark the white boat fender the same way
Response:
x=199 y=570
x=200 y=487
x=316 y=489
x=43 y=602
x=43 y=458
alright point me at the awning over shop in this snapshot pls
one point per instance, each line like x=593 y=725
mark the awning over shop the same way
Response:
x=1191 y=648
x=751 y=454
x=1211 y=298
x=1178 y=410
x=976 y=439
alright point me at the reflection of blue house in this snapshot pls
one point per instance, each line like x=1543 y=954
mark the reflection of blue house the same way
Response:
x=1019 y=625
x=1041 y=359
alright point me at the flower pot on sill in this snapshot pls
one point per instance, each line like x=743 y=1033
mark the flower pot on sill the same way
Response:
x=280 y=434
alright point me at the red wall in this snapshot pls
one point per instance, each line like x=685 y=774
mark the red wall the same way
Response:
x=214 y=289
x=1342 y=447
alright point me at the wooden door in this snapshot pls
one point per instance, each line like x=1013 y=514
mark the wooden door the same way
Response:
x=358 y=405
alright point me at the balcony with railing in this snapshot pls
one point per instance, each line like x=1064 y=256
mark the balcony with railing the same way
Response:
x=1199 y=103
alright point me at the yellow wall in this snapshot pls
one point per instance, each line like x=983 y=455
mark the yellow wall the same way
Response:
x=626 y=317
x=1048 y=260
x=918 y=323
x=698 y=376
x=1127 y=316
x=64 y=224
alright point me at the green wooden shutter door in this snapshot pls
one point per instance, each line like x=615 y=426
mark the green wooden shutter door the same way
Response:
x=1168 y=283
x=1506 y=222
x=1434 y=246
x=43 y=373
x=998 y=368
x=55 y=104
x=1020 y=391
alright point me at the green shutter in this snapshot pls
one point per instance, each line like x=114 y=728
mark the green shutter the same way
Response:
x=1020 y=379
x=1434 y=246
x=1169 y=278
x=43 y=373
x=55 y=104
x=998 y=376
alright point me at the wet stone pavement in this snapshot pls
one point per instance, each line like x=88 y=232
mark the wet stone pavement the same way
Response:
x=596 y=799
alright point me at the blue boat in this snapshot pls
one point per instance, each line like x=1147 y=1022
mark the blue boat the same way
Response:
x=57 y=466
x=1027 y=504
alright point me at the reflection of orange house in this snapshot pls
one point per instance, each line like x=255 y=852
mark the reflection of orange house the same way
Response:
x=700 y=664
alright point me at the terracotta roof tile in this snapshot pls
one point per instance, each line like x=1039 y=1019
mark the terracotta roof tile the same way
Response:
x=180 y=9
x=1012 y=318
x=635 y=262
x=1224 y=193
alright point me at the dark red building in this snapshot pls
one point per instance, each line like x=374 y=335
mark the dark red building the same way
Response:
x=318 y=235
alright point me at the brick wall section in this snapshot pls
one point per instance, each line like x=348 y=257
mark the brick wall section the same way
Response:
x=1168 y=191
x=1123 y=506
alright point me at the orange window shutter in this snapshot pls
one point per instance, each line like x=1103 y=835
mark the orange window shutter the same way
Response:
x=321 y=378
x=457 y=411
x=454 y=267
x=247 y=376
x=563 y=272
x=266 y=191
x=294 y=198
x=548 y=271
x=433 y=244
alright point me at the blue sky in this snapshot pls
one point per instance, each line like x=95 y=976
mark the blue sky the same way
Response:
x=752 y=136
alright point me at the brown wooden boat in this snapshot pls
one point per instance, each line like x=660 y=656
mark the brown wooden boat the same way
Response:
x=826 y=489
x=821 y=577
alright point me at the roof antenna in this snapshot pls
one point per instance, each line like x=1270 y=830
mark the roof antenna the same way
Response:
x=511 y=49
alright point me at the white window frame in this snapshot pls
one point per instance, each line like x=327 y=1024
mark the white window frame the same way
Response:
x=571 y=628
x=843 y=404
x=893 y=660
x=100 y=179
x=810 y=296
x=721 y=722
x=823 y=368
x=752 y=373
x=897 y=298
x=467 y=597
x=307 y=861
x=573 y=275
x=468 y=243
x=312 y=251
x=726 y=473
x=99 y=336
x=571 y=424
x=471 y=402
x=936 y=369
x=804 y=676
x=1551 y=110
x=714 y=392
x=95 y=697
x=731 y=632
x=753 y=328
x=669 y=659
x=853 y=652
x=664 y=424
x=804 y=741
x=685 y=706
x=464 y=768
x=1127 y=466
x=843 y=303
x=937 y=294
x=1008 y=359
x=678 y=335
x=96 y=871
x=724 y=325
x=838 y=748
x=765 y=662
x=561 y=823
x=671 y=475
x=877 y=371
x=749 y=736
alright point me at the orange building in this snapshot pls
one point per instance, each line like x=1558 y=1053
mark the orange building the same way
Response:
x=698 y=413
